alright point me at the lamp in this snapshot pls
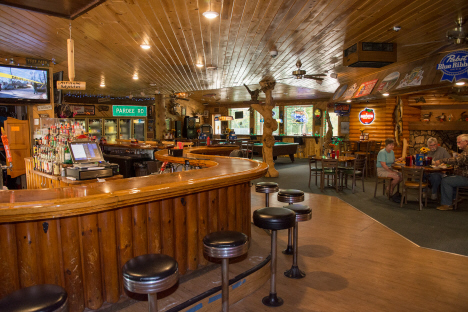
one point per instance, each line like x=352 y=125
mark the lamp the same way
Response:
x=210 y=14
x=385 y=94
x=145 y=46
x=135 y=76
x=460 y=83
x=199 y=65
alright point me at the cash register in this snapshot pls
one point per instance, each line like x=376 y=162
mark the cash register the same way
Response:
x=88 y=162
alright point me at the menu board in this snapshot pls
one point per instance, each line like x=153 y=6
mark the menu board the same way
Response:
x=366 y=88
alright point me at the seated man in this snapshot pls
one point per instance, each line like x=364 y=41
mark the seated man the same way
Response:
x=460 y=174
x=437 y=153
x=385 y=159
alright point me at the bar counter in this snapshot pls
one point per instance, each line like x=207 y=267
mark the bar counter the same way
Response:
x=79 y=237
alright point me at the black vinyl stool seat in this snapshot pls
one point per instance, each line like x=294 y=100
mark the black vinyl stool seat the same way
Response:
x=267 y=188
x=38 y=298
x=290 y=196
x=273 y=218
x=303 y=213
x=224 y=245
x=150 y=274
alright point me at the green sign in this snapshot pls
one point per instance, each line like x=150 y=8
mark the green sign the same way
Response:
x=128 y=111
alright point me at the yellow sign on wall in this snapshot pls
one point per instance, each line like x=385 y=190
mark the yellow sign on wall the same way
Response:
x=71 y=85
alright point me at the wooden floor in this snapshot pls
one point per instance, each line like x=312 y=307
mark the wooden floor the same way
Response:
x=352 y=262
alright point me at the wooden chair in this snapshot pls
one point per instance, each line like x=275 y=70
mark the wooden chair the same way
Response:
x=358 y=171
x=462 y=193
x=247 y=149
x=314 y=170
x=382 y=180
x=413 y=179
x=364 y=150
x=329 y=168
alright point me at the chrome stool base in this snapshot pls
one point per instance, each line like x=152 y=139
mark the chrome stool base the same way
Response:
x=272 y=300
x=294 y=272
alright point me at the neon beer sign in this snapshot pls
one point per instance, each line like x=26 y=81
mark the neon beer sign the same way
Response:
x=367 y=116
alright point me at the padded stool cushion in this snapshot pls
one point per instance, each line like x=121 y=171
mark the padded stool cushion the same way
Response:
x=299 y=209
x=225 y=239
x=43 y=298
x=150 y=267
x=290 y=192
x=274 y=218
x=266 y=187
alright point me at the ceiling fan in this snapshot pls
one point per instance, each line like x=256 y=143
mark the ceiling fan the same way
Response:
x=455 y=37
x=301 y=74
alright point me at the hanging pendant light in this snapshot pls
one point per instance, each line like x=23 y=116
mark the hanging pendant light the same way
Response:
x=71 y=58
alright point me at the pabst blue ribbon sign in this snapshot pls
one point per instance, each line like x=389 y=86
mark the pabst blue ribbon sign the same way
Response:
x=367 y=116
x=454 y=66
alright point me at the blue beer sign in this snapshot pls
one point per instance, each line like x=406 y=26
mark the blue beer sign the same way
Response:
x=454 y=66
x=128 y=111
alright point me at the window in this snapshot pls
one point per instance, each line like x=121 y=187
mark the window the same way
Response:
x=259 y=121
x=241 y=125
x=298 y=120
x=334 y=122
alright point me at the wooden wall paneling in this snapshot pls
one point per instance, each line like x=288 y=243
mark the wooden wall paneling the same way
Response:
x=8 y=260
x=180 y=233
x=213 y=203
x=154 y=227
x=140 y=235
x=239 y=206
x=222 y=209
x=109 y=261
x=193 y=245
x=203 y=220
x=91 y=261
x=123 y=218
x=72 y=267
x=246 y=207
x=27 y=241
x=50 y=253
x=167 y=215
x=230 y=208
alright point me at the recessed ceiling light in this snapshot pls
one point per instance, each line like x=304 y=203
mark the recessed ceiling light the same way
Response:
x=135 y=77
x=385 y=94
x=102 y=84
x=349 y=101
x=460 y=83
x=145 y=46
x=199 y=65
x=210 y=14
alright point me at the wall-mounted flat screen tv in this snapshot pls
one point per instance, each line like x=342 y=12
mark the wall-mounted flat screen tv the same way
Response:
x=23 y=85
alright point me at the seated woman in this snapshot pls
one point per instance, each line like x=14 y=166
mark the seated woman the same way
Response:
x=385 y=159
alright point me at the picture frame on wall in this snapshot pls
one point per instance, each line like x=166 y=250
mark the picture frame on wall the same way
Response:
x=206 y=113
x=182 y=110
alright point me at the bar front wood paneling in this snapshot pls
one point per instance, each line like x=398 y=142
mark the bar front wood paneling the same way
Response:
x=80 y=236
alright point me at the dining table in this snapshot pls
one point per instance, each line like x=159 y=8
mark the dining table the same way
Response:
x=342 y=159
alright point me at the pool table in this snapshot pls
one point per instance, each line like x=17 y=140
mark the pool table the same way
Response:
x=280 y=148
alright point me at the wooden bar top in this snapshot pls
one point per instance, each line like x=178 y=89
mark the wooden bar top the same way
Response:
x=143 y=146
x=23 y=205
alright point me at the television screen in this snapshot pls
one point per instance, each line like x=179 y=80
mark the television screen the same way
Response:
x=23 y=85
x=239 y=115
x=85 y=152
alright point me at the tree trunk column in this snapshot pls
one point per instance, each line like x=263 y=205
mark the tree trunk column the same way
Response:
x=160 y=111
x=269 y=125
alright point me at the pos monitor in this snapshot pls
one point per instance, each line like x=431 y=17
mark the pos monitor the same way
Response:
x=85 y=152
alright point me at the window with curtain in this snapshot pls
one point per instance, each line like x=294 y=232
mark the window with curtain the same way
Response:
x=240 y=125
x=298 y=120
x=259 y=121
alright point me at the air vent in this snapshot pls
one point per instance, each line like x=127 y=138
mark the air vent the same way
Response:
x=216 y=109
x=370 y=54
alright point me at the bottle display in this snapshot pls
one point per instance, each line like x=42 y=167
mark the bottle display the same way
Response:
x=110 y=130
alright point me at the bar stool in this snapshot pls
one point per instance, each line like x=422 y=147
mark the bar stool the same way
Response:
x=224 y=245
x=150 y=274
x=273 y=218
x=267 y=188
x=303 y=213
x=290 y=196
x=38 y=298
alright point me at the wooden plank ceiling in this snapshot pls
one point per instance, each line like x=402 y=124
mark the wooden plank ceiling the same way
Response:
x=238 y=42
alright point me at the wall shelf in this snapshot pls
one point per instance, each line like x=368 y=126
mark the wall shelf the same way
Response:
x=436 y=125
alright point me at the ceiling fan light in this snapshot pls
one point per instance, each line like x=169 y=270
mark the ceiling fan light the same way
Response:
x=145 y=46
x=210 y=14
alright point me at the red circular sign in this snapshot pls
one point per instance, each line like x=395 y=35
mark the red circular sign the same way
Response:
x=367 y=116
